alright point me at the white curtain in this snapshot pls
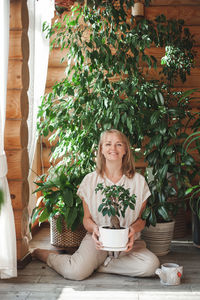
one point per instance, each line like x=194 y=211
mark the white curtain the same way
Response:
x=39 y=12
x=8 y=258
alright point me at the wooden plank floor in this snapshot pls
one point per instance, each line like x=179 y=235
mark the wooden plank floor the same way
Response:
x=37 y=281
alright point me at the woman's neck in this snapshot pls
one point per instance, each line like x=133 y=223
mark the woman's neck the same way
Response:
x=113 y=171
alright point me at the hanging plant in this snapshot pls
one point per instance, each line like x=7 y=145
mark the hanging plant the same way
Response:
x=179 y=52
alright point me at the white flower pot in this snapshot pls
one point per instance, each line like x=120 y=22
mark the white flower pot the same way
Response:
x=113 y=239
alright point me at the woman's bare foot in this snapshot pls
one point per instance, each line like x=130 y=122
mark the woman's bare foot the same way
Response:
x=42 y=254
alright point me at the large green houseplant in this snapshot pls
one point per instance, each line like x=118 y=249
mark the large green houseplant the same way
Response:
x=192 y=145
x=172 y=167
x=59 y=198
x=106 y=84
x=194 y=190
x=171 y=172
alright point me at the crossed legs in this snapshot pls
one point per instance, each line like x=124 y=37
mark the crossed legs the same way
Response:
x=139 y=262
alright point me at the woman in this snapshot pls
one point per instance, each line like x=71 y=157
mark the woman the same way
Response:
x=114 y=166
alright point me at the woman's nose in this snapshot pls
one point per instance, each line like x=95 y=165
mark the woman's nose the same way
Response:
x=113 y=146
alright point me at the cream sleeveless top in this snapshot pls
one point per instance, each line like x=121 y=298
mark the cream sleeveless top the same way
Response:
x=137 y=185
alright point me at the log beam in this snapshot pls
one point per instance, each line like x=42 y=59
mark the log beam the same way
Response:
x=16 y=130
x=19 y=193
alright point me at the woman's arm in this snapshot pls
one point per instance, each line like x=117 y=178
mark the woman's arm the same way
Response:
x=90 y=225
x=137 y=226
x=88 y=222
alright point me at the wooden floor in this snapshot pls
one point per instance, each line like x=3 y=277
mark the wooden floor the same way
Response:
x=38 y=282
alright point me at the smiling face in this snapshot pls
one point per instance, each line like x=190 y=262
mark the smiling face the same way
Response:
x=113 y=147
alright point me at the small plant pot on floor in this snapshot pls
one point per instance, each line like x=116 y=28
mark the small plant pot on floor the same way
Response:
x=113 y=239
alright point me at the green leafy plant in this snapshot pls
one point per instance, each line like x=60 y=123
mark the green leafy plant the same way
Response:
x=115 y=202
x=176 y=62
x=159 y=209
x=192 y=143
x=107 y=85
x=194 y=193
x=172 y=167
x=61 y=7
x=59 y=198
x=88 y=100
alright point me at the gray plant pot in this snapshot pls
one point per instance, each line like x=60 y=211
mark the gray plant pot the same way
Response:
x=158 y=239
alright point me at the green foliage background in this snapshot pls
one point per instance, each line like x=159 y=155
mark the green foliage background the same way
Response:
x=107 y=85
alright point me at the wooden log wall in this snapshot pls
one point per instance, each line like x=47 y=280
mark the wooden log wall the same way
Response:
x=189 y=10
x=16 y=130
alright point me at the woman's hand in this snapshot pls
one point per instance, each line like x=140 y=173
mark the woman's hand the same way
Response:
x=131 y=237
x=95 y=236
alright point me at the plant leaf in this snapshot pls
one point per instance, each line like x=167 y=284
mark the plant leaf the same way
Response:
x=59 y=223
x=68 y=197
x=163 y=213
x=44 y=215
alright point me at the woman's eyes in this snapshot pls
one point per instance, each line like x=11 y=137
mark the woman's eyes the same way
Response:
x=118 y=144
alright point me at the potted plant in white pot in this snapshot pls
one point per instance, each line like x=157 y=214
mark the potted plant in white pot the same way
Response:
x=115 y=202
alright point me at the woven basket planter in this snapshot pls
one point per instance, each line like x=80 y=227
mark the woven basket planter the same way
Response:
x=66 y=238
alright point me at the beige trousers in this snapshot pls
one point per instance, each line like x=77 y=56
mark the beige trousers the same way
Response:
x=139 y=262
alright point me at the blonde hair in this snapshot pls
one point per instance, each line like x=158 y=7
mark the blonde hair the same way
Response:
x=128 y=167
